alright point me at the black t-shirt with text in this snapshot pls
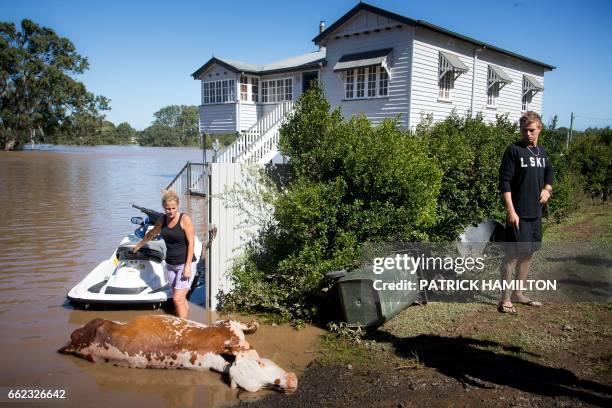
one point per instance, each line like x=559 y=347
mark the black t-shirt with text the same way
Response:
x=524 y=172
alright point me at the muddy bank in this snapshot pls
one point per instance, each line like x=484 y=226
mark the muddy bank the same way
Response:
x=338 y=386
x=467 y=355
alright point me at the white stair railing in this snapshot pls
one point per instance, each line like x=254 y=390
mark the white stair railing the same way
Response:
x=264 y=149
x=262 y=135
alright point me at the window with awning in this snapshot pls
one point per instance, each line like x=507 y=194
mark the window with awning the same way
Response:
x=531 y=86
x=364 y=59
x=497 y=78
x=365 y=74
x=449 y=69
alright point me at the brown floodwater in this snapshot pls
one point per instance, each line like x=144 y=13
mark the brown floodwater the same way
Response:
x=64 y=211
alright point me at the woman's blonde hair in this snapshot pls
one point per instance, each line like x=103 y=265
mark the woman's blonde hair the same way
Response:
x=169 y=195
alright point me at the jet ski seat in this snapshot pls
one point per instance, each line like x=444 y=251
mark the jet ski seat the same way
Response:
x=151 y=251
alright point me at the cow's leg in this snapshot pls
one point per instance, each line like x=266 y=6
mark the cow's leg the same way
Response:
x=216 y=362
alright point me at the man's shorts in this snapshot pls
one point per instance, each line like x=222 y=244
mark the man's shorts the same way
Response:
x=526 y=239
x=174 y=273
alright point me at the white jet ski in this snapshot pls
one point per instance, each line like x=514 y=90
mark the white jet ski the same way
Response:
x=131 y=278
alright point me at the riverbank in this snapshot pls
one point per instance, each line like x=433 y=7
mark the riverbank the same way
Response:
x=467 y=354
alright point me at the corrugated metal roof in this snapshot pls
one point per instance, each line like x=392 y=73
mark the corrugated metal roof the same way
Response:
x=501 y=74
x=288 y=64
x=418 y=23
x=362 y=59
x=455 y=62
x=535 y=84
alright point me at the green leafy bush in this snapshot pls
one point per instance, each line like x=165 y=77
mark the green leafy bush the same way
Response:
x=567 y=189
x=469 y=152
x=591 y=157
x=350 y=183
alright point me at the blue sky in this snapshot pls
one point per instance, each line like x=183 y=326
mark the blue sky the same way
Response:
x=142 y=53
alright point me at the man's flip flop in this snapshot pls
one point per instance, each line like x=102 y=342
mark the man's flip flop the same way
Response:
x=532 y=303
x=501 y=308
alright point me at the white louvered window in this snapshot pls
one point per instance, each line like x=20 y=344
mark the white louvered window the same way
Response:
x=288 y=89
x=349 y=83
x=363 y=83
x=371 y=82
x=492 y=88
x=254 y=89
x=264 y=91
x=446 y=79
x=383 y=86
x=218 y=91
x=276 y=90
x=360 y=82
x=526 y=101
x=244 y=88
x=531 y=86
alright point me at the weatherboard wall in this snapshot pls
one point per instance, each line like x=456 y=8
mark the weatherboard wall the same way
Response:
x=510 y=96
x=428 y=44
x=382 y=33
x=218 y=118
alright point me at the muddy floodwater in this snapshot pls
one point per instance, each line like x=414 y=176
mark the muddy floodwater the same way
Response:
x=63 y=212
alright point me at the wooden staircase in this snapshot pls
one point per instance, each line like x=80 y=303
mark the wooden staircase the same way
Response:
x=259 y=144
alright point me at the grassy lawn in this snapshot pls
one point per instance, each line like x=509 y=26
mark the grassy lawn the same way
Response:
x=563 y=343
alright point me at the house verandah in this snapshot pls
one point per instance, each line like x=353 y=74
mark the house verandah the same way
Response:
x=251 y=100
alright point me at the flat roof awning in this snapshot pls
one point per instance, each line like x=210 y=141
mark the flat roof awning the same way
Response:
x=363 y=59
x=531 y=84
x=499 y=75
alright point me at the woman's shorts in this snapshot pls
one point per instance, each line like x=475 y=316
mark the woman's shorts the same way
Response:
x=174 y=273
x=526 y=239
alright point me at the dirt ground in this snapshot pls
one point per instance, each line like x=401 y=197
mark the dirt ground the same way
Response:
x=467 y=354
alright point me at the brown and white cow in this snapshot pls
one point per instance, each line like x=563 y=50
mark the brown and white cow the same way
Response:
x=160 y=341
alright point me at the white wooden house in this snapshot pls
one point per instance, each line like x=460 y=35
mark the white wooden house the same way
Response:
x=370 y=61
x=374 y=62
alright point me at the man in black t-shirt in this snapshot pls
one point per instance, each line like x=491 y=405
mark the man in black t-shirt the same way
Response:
x=525 y=183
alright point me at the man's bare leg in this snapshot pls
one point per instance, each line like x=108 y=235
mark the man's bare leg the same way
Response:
x=506 y=272
x=523 y=268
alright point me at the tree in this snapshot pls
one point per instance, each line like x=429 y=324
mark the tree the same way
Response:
x=37 y=92
x=125 y=133
x=591 y=159
x=159 y=135
x=179 y=121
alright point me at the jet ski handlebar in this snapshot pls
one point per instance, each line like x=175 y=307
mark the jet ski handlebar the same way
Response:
x=152 y=214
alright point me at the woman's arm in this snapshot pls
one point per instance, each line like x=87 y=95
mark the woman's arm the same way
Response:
x=189 y=229
x=152 y=233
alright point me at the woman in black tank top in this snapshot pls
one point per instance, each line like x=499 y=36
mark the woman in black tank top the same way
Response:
x=179 y=235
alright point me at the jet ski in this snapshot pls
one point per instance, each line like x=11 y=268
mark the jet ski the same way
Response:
x=128 y=278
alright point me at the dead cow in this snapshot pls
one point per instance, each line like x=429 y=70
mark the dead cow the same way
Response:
x=159 y=341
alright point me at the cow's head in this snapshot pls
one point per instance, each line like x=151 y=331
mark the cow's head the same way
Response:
x=253 y=373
